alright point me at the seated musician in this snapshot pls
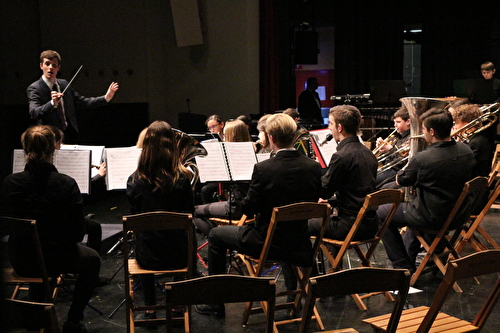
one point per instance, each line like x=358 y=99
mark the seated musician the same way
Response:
x=234 y=131
x=438 y=173
x=389 y=151
x=302 y=141
x=350 y=176
x=262 y=144
x=160 y=182
x=287 y=178
x=478 y=142
x=54 y=201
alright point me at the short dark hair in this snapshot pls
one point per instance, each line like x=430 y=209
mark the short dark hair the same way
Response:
x=348 y=116
x=440 y=120
x=402 y=113
x=292 y=113
x=50 y=54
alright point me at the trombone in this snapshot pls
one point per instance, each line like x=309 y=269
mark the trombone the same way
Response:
x=467 y=132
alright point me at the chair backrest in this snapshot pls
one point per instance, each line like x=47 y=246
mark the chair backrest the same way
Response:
x=371 y=203
x=27 y=227
x=30 y=316
x=493 y=174
x=473 y=191
x=473 y=265
x=161 y=220
x=293 y=212
x=358 y=280
x=221 y=289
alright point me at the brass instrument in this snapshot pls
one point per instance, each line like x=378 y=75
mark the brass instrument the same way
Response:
x=303 y=142
x=466 y=133
x=189 y=147
x=416 y=106
x=485 y=108
x=390 y=140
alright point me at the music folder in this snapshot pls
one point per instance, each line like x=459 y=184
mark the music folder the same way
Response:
x=226 y=161
x=323 y=152
x=120 y=164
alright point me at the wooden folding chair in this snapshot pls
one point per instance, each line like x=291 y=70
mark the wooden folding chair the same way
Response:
x=371 y=203
x=256 y=267
x=11 y=225
x=25 y=316
x=148 y=222
x=492 y=178
x=467 y=200
x=355 y=281
x=220 y=289
x=472 y=230
x=422 y=319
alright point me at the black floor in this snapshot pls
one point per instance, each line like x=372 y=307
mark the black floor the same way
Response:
x=336 y=313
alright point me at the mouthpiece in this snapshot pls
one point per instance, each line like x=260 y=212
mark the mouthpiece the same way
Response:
x=328 y=137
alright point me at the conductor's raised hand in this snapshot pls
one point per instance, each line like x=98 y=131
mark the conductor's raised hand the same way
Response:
x=113 y=87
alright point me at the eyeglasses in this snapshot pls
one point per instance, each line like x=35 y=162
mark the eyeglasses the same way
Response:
x=213 y=127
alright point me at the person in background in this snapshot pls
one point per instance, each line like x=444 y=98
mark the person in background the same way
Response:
x=234 y=131
x=54 y=201
x=309 y=102
x=262 y=145
x=160 y=182
x=215 y=125
x=49 y=106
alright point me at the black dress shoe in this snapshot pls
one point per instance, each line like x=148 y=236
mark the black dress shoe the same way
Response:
x=72 y=327
x=102 y=281
x=207 y=309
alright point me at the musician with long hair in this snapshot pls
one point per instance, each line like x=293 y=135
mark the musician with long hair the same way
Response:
x=390 y=150
x=479 y=143
x=234 y=131
x=41 y=193
x=438 y=173
x=160 y=182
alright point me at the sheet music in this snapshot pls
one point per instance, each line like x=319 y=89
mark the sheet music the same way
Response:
x=212 y=166
x=97 y=155
x=242 y=158
x=329 y=148
x=262 y=157
x=76 y=164
x=120 y=164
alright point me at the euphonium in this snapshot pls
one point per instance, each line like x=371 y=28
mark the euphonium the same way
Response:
x=189 y=147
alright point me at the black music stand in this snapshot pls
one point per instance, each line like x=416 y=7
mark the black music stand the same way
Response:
x=387 y=92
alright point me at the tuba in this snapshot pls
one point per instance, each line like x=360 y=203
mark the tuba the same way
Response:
x=416 y=106
x=189 y=147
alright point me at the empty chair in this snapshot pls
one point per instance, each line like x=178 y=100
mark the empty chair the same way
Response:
x=220 y=289
x=423 y=319
x=354 y=281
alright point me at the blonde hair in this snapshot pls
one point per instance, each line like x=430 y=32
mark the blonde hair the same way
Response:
x=282 y=128
x=236 y=131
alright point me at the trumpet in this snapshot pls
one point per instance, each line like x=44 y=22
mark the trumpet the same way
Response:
x=467 y=132
x=391 y=139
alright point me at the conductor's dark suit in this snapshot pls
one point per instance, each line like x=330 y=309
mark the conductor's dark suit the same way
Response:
x=44 y=113
x=289 y=177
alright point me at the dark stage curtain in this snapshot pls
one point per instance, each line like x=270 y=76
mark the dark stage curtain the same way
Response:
x=268 y=57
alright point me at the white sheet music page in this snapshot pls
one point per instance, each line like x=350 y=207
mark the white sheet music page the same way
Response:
x=120 y=164
x=18 y=161
x=212 y=167
x=97 y=155
x=241 y=156
x=329 y=148
x=76 y=164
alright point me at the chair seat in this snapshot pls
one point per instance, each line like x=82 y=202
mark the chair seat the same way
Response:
x=10 y=276
x=136 y=269
x=411 y=319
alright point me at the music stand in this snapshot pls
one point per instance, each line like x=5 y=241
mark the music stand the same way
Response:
x=387 y=92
